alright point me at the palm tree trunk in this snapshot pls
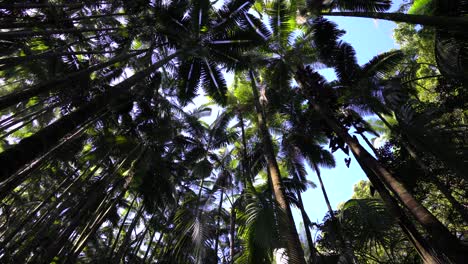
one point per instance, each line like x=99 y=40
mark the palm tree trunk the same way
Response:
x=158 y=243
x=436 y=21
x=100 y=219
x=30 y=148
x=119 y=254
x=31 y=214
x=111 y=251
x=25 y=94
x=232 y=232
x=148 y=249
x=218 y=223
x=17 y=178
x=246 y=165
x=346 y=247
x=33 y=229
x=13 y=61
x=93 y=200
x=446 y=243
x=136 y=250
x=38 y=5
x=8 y=35
x=305 y=220
x=295 y=252
x=327 y=201
x=427 y=252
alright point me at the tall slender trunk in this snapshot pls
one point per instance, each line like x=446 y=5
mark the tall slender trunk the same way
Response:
x=148 y=249
x=436 y=21
x=232 y=233
x=8 y=35
x=446 y=243
x=32 y=213
x=30 y=148
x=346 y=246
x=421 y=245
x=38 y=5
x=120 y=253
x=218 y=224
x=294 y=248
x=17 y=178
x=102 y=216
x=327 y=201
x=13 y=61
x=111 y=251
x=27 y=93
x=158 y=243
x=245 y=161
x=35 y=227
x=93 y=200
x=136 y=250
x=305 y=219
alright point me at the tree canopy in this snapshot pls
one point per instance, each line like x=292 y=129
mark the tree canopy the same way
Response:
x=186 y=131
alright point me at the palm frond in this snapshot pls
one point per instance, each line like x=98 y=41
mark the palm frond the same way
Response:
x=213 y=82
x=382 y=64
x=282 y=21
x=345 y=63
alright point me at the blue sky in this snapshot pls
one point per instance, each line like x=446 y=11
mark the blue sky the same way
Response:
x=369 y=38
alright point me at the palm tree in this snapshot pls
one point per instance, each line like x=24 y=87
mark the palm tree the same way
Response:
x=295 y=252
x=211 y=42
x=326 y=94
x=422 y=215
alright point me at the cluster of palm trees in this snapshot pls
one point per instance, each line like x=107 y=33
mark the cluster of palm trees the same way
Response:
x=106 y=158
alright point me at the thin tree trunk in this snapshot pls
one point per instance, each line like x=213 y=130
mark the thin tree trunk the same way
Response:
x=99 y=220
x=158 y=243
x=446 y=243
x=111 y=251
x=8 y=35
x=232 y=232
x=92 y=202
x=327 y=201
x=30 y=148
x=346 y=247
x=305 y=219
x=138 y=245
x=37 y=5
x=218 y=223
x=148 y=249
x=10 y=243
x=436 y=21
x=119 y=254
x=246 y=165
x=17 y=178
x=13 y=61
x=427 y=253
x=294 y=248
x=32 y=213
x=27 y=93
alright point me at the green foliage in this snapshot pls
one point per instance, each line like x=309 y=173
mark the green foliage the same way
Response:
x=422 y=7
x=129 y=165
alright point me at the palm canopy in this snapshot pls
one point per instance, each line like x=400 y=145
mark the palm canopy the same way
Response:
x=117 y=165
